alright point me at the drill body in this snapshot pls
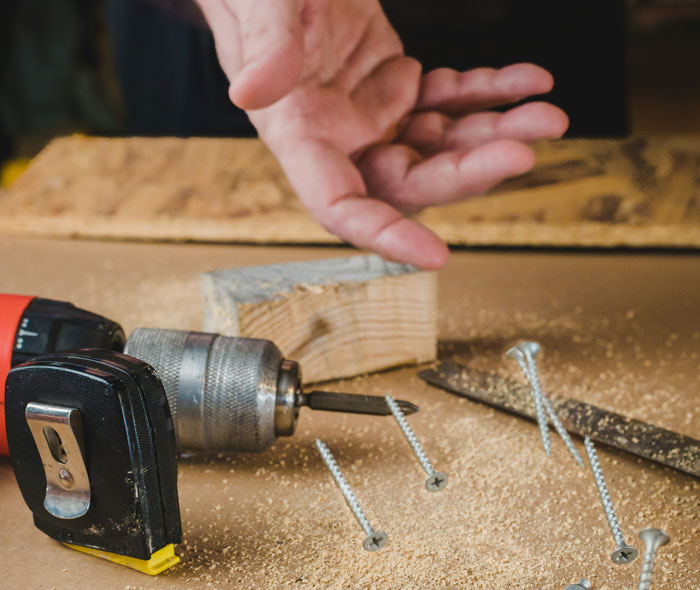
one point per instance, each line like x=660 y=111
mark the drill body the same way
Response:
x=31 y=326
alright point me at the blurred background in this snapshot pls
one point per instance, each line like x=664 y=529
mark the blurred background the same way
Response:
x=148 y=67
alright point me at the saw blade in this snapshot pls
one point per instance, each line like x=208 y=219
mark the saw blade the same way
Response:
x=633 y=436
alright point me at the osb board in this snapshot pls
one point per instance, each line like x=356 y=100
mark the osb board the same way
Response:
x=639 y=192
x=618 y=330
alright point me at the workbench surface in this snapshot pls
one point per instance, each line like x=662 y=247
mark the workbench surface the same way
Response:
x=621 y=330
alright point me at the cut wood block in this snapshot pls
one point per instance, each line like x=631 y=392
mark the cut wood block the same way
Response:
x=338 y=317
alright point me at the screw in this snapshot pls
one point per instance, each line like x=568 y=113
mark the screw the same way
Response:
x=437 y=480
x=518 y=355
x=375 y=539
x=527 y=363
x=530 y=350
x=653 y=539
x=584 y=584
x=559 y=427
x=624 y=553
x=66 y=478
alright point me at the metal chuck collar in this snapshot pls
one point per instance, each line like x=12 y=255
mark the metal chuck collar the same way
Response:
x=288 y=398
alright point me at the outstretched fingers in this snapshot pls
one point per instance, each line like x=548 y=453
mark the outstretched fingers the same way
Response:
x=433 y=132
x=457 y=93
x=402 y=177
x=332 y=188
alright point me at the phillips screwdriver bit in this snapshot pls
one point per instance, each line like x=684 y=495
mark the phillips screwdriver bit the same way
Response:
x=351 y=403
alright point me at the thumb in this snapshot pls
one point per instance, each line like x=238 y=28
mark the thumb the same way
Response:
x=271 y=51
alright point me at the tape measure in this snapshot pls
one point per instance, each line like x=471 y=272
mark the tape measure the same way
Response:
x=92 y=443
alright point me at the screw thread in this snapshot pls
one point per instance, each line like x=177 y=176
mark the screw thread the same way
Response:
x=602 y=486
x=410 y=435
x=563 y=433
x=530 y=370
x=647 y=569
x=344 y=486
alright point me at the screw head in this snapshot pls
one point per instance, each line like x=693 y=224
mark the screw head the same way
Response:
x=436 y=482
x=375 y=541
x=624 y=554
x=584 y=584
x=515 y=353
x=530 y=348
x=66 y=478
x=653 y=538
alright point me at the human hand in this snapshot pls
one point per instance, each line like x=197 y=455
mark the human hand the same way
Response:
x=362 y=135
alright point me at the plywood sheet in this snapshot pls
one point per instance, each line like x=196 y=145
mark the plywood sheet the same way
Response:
x=638 y=192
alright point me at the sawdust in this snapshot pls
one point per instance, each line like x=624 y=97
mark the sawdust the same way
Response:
x=510 y=517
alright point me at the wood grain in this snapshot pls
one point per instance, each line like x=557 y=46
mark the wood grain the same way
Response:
x=339 y=317
x=638 y=192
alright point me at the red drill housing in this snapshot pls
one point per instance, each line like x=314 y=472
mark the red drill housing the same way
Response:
x=12 y=308
x=31 y=326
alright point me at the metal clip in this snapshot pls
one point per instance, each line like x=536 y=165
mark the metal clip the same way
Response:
x=57 y=432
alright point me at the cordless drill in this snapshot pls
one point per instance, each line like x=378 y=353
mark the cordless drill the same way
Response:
x=225 y=393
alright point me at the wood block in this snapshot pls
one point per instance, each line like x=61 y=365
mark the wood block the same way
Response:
x=337 y=317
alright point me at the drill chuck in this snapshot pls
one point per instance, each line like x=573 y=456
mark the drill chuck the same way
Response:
x=225 y=393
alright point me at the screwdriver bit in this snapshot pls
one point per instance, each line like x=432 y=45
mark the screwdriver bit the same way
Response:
x=351 y=403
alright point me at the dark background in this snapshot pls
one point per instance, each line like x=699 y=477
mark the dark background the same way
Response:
x=128 y=67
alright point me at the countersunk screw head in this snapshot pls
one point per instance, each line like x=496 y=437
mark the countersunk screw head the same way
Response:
x=436 y=482
x=654 y=538
x=584 y=584
x=624 y=554
x=515 y=353
x=530 y=347
x=375 y=541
